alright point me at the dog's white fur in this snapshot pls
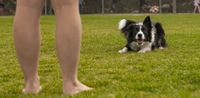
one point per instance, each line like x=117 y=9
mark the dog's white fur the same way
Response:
x=122 y=24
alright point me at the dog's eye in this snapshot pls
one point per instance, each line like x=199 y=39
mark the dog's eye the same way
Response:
x=143 y=29
x=137 y=29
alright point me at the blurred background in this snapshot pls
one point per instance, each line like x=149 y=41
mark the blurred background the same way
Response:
x=7 y=7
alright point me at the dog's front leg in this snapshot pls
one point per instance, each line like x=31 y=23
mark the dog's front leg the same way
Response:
x=144 y=50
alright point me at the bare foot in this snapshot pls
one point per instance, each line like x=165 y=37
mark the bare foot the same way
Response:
x=75 y=88
x=30 y=90
x=32 y=87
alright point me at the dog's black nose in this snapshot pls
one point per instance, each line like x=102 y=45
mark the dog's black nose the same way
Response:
x=139 y=35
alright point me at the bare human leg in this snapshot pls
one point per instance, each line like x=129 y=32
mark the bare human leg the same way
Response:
x=68 y=37
x=27 y=41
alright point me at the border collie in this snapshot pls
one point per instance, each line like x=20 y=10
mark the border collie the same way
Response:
x=142 y=36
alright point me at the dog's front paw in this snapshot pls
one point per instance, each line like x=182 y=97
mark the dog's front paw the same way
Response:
x=122 y=51
x=161 y=48
x=142 y=51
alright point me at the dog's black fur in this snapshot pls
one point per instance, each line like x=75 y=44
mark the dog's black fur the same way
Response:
x=142 y=36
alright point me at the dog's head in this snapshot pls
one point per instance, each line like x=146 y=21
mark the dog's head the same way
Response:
x=138 y=32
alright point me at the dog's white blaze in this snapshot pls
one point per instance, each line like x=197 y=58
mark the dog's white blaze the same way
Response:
x=122 y=24
x=140 y=32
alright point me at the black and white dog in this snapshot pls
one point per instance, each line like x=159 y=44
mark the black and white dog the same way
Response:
x=142 y=36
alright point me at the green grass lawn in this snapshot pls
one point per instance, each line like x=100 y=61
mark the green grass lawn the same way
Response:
x=170 y=73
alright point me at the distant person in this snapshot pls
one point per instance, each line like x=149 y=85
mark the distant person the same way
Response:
x=196 y=6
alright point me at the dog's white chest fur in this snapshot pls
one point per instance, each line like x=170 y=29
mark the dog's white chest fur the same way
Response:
x=146 y=46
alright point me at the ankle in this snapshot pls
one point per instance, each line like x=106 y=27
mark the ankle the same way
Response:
x=70 y=81
x=32 y=82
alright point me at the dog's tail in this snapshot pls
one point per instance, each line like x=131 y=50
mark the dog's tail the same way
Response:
x=124 y=23
x=161 y=43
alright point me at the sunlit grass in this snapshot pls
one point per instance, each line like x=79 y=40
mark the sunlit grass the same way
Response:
x=173 y=72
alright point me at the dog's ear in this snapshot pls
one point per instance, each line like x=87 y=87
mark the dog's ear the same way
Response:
x=128 y=30
x=147 y=22
x=125 y=25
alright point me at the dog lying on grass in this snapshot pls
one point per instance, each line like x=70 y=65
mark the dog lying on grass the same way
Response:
x=142 y=36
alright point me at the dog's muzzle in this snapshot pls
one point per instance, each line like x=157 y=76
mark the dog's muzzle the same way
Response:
x=139 y=39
